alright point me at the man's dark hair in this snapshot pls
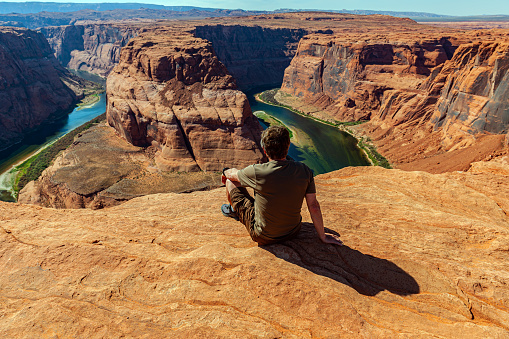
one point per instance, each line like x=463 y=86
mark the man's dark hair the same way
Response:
x=276 y=141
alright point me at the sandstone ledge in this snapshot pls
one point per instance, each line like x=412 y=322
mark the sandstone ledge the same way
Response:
x=100 y=169
x=426 y=256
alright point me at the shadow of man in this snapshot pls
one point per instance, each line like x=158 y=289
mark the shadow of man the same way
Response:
x=368 y=275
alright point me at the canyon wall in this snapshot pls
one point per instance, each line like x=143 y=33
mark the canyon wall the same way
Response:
x=31 y=88
x=348 y=78
x=171 y=92
x=93 y=48
x=475 y=94
x=422 y=97
x=254 y=55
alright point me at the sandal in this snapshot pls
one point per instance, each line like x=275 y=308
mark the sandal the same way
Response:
x=228 y=211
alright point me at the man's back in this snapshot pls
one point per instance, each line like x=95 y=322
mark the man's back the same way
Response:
x=280 y=187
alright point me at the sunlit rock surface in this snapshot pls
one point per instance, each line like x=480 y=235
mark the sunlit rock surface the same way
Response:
x=425 y=256
x=171 y=91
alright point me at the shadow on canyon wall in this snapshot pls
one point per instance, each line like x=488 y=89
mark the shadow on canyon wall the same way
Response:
x=368 y=275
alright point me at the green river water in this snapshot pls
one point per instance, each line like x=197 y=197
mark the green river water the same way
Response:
x=322 y=147
x=37 y=140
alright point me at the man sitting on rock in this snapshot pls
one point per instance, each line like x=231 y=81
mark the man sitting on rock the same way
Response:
x=280 y=186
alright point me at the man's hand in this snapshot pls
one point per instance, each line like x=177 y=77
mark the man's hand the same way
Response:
x=332 y=239
x=316 y=216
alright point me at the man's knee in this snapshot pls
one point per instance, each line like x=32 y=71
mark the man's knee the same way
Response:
x=231 y=184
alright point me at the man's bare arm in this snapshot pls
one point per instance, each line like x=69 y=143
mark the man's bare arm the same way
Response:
x=316 y=216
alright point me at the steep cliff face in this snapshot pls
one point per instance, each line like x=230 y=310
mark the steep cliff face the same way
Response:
x=171 y=91
x=94 y=48
x=462 y=108
x=422 y=97
x=255 y=56
x=31 y=89
x=348 y=79
x=475 y=94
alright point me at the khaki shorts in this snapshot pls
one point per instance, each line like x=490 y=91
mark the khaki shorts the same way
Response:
x=243 y=205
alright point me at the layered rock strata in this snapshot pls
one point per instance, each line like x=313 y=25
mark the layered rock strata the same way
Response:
x=349 y=78
x=423 y=97
x=475 y=94
x=255 y=56
x=171 y=92
x=31 y=88
x=459 y=114
x=94 y=48
x=424 y=256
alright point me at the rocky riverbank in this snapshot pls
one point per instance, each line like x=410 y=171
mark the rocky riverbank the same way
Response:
x=276 y=97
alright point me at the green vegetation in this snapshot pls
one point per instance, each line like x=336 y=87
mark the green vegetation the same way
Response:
x=364 y=143
x=90 y=99
x=270 y=120
x=268 y=97
x=376 y=158
x=32 y=168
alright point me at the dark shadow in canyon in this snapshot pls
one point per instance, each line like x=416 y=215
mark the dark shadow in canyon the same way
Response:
x=368 y=275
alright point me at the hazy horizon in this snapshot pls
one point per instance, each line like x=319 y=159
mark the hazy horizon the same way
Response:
x=454 y=8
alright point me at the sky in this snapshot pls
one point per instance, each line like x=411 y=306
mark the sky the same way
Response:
x=446 y=7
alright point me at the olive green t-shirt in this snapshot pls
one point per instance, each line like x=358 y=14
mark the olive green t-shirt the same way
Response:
x=280 y=187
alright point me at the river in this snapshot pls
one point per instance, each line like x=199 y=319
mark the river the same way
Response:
x=322 y=147
x=32 y=143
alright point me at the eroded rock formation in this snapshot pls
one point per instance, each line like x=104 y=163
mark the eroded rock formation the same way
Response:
x=423 y=96
x=171 y=92
x=458 y=115
x=31 y=88
x=425 y=256
x=349 y=78
x=93 y=48
x=475 y=96
x=100 y=169
x=255 y=56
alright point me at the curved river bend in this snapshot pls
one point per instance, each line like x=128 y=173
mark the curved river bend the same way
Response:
x=322 y=147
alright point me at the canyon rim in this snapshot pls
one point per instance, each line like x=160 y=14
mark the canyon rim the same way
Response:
x=426 y=243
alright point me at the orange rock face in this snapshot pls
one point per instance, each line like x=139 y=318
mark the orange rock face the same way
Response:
x=425 y=256
x=475 y=95
x=173 y=93
x=422 y=96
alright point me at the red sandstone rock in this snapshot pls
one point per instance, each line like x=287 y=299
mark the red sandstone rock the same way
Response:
x=474 y=98
x=354 y=75
x=425 y=256
x=100 y=169
x=171 y=92
x=412 y=117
